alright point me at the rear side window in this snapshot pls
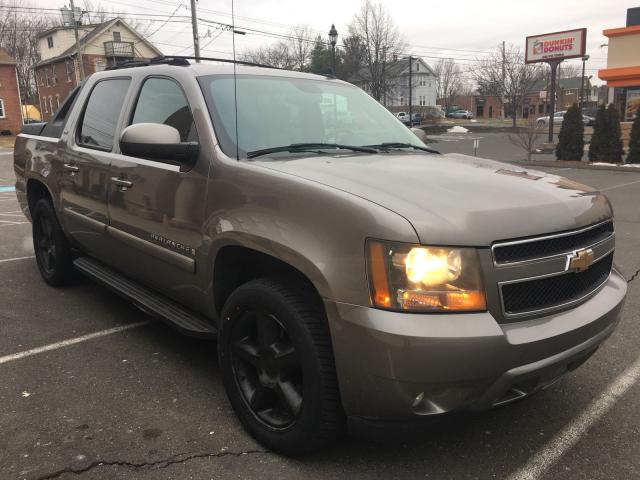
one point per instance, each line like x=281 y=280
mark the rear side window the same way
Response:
x=161 y=100
x=101 y=114
x=55 y=126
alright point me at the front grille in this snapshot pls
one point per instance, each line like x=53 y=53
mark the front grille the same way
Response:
x=546 y=247
x=554 y=291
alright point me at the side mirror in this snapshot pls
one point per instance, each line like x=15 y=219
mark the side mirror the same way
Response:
x=156 y=141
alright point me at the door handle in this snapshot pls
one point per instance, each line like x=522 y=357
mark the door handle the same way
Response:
x=122 y=183
x=71 y=168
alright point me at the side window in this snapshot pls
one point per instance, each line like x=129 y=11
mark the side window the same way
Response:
x=162 y=101
x=55 y=126
x=101 y=114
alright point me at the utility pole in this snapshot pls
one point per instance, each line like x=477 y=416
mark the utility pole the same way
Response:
x=75 y=32
x=552 y=101
x=410 y=91
x=504 y=78
x=194 y=25
x=584 y=60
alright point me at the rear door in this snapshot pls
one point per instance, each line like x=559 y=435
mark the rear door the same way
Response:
x=155 y=209
x=84 y=180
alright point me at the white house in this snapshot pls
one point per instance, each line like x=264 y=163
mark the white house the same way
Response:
x=423 y=83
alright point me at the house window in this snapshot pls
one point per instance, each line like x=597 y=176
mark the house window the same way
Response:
x=43 y=104
x=2 y=115
x=100 y=65
x=423 y=100
x=69 y=68
x=117 y=37
x=50 y=41
x=54 y=78
x=423 y=83
x=417 y=67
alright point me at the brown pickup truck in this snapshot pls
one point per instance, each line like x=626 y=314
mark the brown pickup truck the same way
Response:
x=352 y=275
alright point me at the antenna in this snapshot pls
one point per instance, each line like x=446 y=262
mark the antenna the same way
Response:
x=235 y=79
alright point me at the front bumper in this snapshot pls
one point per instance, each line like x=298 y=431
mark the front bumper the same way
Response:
x=402 y=366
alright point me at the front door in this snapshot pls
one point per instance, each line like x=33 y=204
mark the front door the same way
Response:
x=84 y=179
x=156 y=210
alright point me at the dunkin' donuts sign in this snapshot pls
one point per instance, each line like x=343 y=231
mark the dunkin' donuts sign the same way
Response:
x=556 y=46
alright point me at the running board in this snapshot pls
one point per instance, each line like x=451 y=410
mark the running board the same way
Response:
x=177 y=316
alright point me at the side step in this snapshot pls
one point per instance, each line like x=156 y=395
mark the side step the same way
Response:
x=177 y=316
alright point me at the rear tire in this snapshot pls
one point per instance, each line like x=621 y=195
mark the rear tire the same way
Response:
x=52 y=250
x=277 y=366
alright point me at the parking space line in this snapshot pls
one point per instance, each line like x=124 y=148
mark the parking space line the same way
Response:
x=16 y=259
x=619 y=185
x=71 y=341
x=12 y=224
x=536 y=467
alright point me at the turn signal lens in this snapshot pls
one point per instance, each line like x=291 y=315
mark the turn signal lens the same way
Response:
x=424 y=279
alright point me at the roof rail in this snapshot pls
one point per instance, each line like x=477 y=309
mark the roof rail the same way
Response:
x=183 y=61
x=153 y=61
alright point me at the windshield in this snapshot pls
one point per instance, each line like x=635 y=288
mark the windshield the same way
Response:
x=281 y=111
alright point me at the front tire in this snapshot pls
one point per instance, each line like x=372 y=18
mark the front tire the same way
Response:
x=52 y=250
x=277 y=366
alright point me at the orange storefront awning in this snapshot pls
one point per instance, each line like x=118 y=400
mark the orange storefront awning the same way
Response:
x=621 y=77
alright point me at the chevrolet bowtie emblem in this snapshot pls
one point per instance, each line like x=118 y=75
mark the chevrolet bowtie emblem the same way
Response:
x=580 y=260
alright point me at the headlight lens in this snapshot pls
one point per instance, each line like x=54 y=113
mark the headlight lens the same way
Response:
x=424 y=279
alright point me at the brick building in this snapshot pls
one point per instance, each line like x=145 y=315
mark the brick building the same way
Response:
x=10 y=109
x=535 y=103
x=102 y=45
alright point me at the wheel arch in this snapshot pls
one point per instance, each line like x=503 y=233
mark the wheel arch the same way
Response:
x=236 y=262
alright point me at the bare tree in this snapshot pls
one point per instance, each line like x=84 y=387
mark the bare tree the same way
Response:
x=18 y=30
x=276 y=55
x=507 y=77
x=300 y=46
x=569 y=70
x=380 y=38
x=528 y=138
x=448 y=80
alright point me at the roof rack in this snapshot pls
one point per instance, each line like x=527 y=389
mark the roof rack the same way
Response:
x=182 y=61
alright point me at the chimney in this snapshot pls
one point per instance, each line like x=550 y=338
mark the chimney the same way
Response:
x=633 y=16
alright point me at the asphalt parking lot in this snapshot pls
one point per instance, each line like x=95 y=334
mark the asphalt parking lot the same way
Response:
x=111 y=394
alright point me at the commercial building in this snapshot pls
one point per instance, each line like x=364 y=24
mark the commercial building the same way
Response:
x=623 y=65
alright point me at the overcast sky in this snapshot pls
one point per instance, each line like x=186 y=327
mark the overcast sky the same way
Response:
x=463 y=29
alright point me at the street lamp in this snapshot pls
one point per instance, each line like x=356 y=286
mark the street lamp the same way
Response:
x=584 y=60
x=333 y=39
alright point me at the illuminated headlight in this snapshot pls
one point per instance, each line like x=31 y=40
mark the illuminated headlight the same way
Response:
x=425 y=279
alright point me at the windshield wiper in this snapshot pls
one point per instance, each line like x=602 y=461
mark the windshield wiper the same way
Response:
x=390 y=145
x=303 y=147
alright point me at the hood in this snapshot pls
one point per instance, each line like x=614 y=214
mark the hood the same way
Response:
x=457 y=199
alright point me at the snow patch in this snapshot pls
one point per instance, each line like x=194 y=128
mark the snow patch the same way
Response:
x=457 y=129
x=627 y=165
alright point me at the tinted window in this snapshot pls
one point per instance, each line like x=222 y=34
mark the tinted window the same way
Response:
x=101 y=113
x=161 y=101
x=55 y=126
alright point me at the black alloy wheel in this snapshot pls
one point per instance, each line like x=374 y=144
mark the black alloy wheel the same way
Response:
x=53 y=253
x=266 y=368
x=277 y=364
x=45 y=243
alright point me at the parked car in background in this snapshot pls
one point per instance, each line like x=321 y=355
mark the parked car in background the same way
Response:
x=558 y=118
x=461 y=114
x=416 y=119
x=403 y=117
